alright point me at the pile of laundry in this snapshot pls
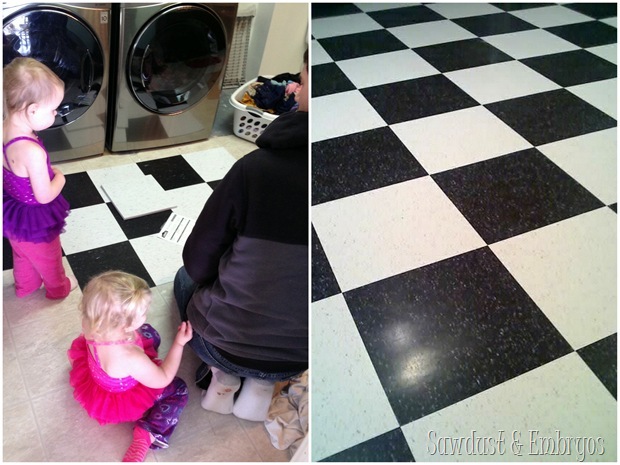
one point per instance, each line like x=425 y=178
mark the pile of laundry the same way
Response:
x=274 y=95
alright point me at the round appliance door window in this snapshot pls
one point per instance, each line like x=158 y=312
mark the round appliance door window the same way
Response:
x=176 y=58
x=67 y=45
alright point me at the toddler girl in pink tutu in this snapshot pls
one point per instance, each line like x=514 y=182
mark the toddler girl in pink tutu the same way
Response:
x=116 y=375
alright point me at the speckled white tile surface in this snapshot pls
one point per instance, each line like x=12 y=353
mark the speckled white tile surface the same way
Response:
x=138 y=196
x=591 y=159
x=500 y=81
x=82 y=223
x=347 y=24
x=529 y=408
x=430 y=33
x=608 y=52
x=212 y=164
x=319 y=55
x=601 y=94
x=349 y=404
x=550 y=16
x=161 y=258
x=377 y=234
x=403 y=65
x=469 y=135
x=190 y=200
x=122 y=174
x=332 y=115
x=532 y=43
x=569 y=270
x=463 y=10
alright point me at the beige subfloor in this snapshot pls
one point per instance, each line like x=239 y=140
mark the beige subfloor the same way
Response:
x=42 y=421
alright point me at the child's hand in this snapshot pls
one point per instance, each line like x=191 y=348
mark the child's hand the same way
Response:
x=184 y=333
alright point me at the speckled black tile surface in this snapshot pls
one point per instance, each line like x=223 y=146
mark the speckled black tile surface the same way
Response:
x=325 y=10
x=80 y=191
x=572 y=68
x=513 y=194
x=464 y=227
x=498 y=23
x=452 y=326
x=417 y=98
x=551 y=116
x=171 y=172
x=323 y=280
x=329 y=79
x=360 y=162
x=462 y=54
x=388 y=447
x=602 y=358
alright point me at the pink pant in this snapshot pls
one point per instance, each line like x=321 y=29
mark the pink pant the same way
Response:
x=36 y=264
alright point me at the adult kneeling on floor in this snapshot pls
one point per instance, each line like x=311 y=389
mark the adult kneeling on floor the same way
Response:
x=244 y=284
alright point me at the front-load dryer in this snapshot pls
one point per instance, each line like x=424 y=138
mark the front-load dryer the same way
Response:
x=73 y=40
x=168 y=69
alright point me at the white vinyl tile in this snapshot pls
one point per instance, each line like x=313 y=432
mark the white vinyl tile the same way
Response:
x=342 y=114
x=378 y=234
x=345 y=387
x=20 y=436
x=14 y=387
x=611 y=21
x=161 y=258
x=569 y=270
x=591 y=159
x=526 y=44
x=463 y=10
x=522 y=411
x=430 y=33
x=396 y=66
x=449 y=140
x=212 y=164
x=140 y=197
x=343 y=25
x=190 y=200
x=600 y=94
x=500 y=81
x=319 y=55
x=82 y=223
x=114 y=174
x=550 y=16
x=607 y=52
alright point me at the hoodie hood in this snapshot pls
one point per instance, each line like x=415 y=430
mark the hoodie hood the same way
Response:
x=289 y=130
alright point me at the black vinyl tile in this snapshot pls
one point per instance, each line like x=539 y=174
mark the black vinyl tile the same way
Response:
x=361 y=44
x=213 y=184
x=602 y=358
x=171 y=172
x=324 y=282
x=325 y=10
x=452 y=56
x=120 y=256
x=329 y=79
x=493 y=24
x=7 y=254
x=614 y=207
x=551 y=116
x=450 y=330
x=572 y=68
x=405 y=16
x=417 y=98
x=145 y=225
x=360 y=162
x=388 y=447
x=590 y=34
x=595 y=10
x=80 y=191
x=520 y=6
x=513 y=194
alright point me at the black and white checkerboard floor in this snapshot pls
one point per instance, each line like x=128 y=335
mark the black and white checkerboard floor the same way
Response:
x=464 y=231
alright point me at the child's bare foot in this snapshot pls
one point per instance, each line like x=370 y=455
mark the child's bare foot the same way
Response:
x=73 y=282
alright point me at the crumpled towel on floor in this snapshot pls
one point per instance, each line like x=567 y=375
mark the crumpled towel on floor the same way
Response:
x=287 y=422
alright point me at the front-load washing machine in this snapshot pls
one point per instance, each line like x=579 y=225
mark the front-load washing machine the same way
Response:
x=74 y=41
x=169 y=63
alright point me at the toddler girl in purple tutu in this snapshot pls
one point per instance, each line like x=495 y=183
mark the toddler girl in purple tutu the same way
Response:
x=33 y=209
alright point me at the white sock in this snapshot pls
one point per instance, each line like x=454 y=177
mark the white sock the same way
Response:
x=254 y=399
x=219 y=396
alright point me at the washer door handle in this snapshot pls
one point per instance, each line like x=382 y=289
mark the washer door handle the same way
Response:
x=147 y=55
x=88 y=72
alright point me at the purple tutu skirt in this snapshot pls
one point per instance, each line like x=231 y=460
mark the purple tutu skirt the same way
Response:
x=33 y=223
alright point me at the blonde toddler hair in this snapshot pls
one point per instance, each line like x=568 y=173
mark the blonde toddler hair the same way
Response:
x=112 y=301
x=26 y=81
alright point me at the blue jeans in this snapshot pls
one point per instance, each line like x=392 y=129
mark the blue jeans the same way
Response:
x=184 y=288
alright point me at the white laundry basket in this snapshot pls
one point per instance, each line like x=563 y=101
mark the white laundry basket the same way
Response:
x=249 y=122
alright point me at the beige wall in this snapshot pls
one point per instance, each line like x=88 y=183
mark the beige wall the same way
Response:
x=287 y=39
